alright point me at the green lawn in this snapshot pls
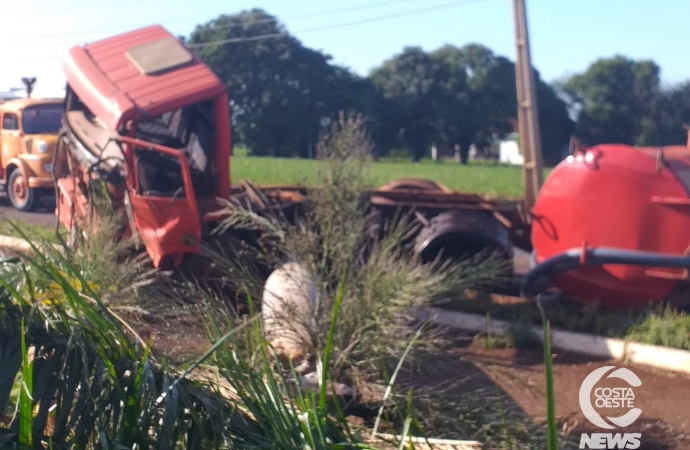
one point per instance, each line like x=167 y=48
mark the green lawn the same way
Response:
x=32 y=230
x=488 y=179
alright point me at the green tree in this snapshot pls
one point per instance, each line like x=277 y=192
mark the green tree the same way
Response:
x=489 y=90
x=493 y=99
x=670 y=112
x=414 y=84
x=279 y=89
x=454 y=109
x=615 y=101
x=556 y=126
x=353 y=93
x=465 y=96
x=282 y=93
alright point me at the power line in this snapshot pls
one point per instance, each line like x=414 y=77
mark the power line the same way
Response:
x=50 y=37
x=56 y=17
x=305 y=16
x=88 y=33
x=71 y=37
x=339 y=25
x=321 y=28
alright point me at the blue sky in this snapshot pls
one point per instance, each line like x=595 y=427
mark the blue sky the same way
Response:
x=566 y=35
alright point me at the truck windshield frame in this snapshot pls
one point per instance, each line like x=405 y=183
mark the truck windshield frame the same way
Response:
x=189 y=129
x=36 y=121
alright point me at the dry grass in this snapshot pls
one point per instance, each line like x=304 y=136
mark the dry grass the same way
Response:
x=338 y=238
x=102 y=259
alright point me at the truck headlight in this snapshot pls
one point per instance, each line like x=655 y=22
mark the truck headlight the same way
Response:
x=42 y=146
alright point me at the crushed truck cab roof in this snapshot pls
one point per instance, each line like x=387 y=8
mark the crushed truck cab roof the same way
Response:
x=142 y=72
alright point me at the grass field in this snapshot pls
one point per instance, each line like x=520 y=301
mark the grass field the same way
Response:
x=492 y=180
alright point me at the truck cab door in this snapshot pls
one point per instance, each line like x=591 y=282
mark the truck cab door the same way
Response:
x=162 y=200
x=9 y=138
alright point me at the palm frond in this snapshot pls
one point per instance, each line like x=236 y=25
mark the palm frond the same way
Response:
x=90 y=384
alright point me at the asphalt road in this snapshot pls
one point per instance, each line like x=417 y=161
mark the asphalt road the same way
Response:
x=44 y=215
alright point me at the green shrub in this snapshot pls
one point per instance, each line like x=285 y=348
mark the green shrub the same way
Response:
x=665 y=326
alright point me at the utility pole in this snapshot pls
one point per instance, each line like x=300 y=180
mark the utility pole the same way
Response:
x=530 y=140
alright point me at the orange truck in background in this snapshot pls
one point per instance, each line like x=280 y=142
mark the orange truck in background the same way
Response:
x=29 y=129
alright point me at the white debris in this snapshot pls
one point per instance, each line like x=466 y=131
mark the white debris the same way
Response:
x=289 y=299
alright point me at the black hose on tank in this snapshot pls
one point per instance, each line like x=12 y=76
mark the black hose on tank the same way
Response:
x=574 y=258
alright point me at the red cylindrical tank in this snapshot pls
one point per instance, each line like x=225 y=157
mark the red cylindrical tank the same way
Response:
x=616 y=196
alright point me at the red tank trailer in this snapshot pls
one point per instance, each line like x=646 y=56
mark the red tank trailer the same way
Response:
x=612 y=224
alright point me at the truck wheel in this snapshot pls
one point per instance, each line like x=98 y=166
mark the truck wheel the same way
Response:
x=20 y=194
x=414 y=183
x=456 y=234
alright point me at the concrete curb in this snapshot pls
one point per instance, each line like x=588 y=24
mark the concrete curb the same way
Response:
x=617 y=349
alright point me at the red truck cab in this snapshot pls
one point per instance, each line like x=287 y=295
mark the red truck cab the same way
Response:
x=151 y=119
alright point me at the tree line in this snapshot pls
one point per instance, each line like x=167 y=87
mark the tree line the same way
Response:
x=282 y=94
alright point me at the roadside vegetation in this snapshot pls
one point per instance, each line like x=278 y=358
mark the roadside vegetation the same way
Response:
x=489 y=179
x=15 y=228
x=658 y=324
x=78 y=374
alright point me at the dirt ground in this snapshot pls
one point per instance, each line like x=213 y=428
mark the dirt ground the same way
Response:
x=180 y=338
x=663 y=397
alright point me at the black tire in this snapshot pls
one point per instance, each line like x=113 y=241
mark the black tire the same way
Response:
x=413 y=183
x=21 y=196
x=461 y=234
